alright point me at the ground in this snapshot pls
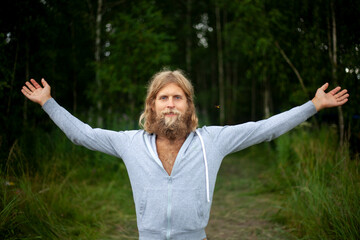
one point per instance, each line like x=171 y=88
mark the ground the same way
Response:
x=242 y=207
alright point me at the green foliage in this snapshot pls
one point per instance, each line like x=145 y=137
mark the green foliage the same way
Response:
x=56 y=40
x=5 y=70
x=138 y=46
x=321 y=182
x=71 y=194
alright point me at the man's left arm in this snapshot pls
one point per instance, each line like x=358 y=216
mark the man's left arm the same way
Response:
x=237 y=137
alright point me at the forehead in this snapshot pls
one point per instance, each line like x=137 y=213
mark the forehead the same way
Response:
x=171 y=89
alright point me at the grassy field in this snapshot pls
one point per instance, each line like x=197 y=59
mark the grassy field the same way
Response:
x=302 y=186
x=63 y=191
x=322 y=185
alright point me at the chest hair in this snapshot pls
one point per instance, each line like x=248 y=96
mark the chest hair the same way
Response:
x=167 y=152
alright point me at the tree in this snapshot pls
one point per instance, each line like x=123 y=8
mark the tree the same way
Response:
x=137 y=46
x=220 y=65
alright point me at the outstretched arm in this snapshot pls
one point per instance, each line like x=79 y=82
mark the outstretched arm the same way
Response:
x=34 y=92
x=333 y=98
x=235 y=138
x=110 y=142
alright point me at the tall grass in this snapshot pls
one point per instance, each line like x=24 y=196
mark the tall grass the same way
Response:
x=321 y=182
x=52 y=189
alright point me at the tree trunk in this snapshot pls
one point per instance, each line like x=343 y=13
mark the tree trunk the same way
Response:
x=220 y=66
x=253 y=99
x=234 y=88
x=333 y=59
x=12 y=80
x=228 y=96
x=188 y=36
x=266 y=96
x=227 y=75
x=27 y=76
x=97 y=62
x=213 y=75
x=73 y=74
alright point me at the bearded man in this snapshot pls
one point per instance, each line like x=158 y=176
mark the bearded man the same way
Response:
x=172 y=164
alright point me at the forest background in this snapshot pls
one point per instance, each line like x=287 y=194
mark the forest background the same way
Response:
x=247 y=60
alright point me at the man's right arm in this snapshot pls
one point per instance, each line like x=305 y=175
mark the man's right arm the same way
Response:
x=106 y=141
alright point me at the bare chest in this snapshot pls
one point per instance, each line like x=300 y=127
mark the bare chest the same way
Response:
x=167 y=153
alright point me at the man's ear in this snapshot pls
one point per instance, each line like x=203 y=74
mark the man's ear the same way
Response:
x=153 y=106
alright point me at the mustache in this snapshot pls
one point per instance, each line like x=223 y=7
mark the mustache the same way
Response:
x=170 y=111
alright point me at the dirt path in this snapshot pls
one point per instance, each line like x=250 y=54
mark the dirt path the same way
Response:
x=242 y=207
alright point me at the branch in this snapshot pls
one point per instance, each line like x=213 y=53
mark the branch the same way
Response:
x=292 y=67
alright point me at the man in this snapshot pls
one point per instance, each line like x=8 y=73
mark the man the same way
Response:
x=172 y=164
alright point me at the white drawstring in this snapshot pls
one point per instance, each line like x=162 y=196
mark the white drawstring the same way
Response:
x=206 y=166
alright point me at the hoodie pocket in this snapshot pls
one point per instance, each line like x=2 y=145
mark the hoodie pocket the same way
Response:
x=153 y=210
x=187 y=211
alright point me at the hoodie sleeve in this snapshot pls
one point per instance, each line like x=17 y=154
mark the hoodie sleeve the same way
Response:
x=110 y=142
x=235 y=138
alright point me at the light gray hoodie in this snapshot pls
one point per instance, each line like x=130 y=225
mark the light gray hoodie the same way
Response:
x=175 y=206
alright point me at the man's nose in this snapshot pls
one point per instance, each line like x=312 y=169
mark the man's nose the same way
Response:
x=170 y=103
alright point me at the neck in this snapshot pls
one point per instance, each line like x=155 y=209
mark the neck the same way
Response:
x=163 y=138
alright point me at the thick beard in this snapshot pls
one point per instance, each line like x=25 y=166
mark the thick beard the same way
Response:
x=172 y=127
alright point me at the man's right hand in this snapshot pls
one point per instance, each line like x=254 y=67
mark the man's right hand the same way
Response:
x=34 y=92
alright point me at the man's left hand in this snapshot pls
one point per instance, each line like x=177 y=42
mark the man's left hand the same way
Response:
x=333 y=98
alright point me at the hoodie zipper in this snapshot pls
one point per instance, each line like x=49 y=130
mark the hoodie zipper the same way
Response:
x=169 y=206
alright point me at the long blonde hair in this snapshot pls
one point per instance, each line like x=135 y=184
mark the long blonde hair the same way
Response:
x=157 y=82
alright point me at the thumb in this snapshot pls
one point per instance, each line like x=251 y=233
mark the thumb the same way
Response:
x=325 y=86
x=44 y=83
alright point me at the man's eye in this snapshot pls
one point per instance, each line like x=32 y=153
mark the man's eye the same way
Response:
x=163 y=97
x=177 y=97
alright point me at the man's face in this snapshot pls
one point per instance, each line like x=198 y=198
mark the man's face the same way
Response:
x=170 y=103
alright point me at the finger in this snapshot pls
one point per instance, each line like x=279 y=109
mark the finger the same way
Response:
x=23 y=91
x=35 y=83
x=342 y=97
x=343 y=101
x=325 y=86
x=30 y=86
x=340 y=93
x=26 y=90
x=335 y=90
